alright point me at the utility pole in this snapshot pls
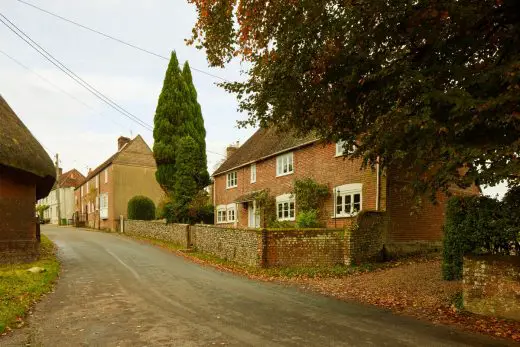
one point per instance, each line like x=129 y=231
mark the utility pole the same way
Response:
x=58 y=188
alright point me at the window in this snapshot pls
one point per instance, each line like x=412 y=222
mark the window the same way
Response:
x=87 y=187
x=348 y=200
x=97 y=181
x=231 y=213
x=221 y=214
x=284 y=164
x=285 y=207
x=103 y=206
x=106 y=175
x=81 y=190
x=231 y=180
x=340 y=149
x=253 y=173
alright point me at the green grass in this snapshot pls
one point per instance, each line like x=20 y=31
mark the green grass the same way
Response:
x=19 y=289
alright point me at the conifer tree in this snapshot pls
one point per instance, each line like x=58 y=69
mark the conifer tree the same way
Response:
x=186 y=176
x=178 y=114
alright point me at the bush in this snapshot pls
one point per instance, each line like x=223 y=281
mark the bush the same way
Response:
x=141 y=208
x=309 y=194
x=161 y=210
x=307 y=219
x=475 y=225
x=281 y=224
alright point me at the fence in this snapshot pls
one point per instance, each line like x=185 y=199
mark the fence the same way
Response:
x=273 y=247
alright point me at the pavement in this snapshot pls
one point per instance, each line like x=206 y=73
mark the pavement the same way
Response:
x=114 y=291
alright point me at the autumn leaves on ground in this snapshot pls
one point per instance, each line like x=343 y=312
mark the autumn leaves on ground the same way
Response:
x=19 y=288
x=411 y=287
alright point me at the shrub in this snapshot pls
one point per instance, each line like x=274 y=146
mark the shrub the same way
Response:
x=280 y=224
x=475 y=225
x=141 y=208
x=161 y=210
x=309 y=194
x=307 y=219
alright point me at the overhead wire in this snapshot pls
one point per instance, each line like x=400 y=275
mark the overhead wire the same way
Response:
x=144 y=50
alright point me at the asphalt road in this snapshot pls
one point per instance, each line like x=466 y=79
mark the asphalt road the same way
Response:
x=114 y=291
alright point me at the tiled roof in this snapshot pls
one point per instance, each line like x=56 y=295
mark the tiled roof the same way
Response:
x=263 y=144
x=71 y=178
x=106 y=163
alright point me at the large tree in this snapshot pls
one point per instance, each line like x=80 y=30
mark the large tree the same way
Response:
x=425 y=86
x=186 y=177
x=178 y=115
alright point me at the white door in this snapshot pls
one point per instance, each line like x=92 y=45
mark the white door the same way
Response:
x=253 y=216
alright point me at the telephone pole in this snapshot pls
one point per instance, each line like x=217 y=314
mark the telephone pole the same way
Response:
x=58 y=188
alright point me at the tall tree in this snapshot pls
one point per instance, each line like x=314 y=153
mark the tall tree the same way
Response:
x=178 y=114
x=186 y=177
x=425 y=86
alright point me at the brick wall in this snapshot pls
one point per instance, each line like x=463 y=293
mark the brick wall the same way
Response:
x=306 y=247
x=158 y=230
x=239 y=245
x=317 y=161
x=364 y=240
x=491 y=285
x=17 y=216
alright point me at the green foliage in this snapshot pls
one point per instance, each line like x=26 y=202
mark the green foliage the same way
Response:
x=40 y=209
x=309 y=194
x=475 y=225
x=280 y=224
x=200 y=209
x=308 y=219
x=424 y=86
x=161 y=209
x=141 y=208
x=266 y=206
x=178 y=115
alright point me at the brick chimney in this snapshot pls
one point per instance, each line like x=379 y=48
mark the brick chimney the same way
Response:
x=61 y=171
x=231 y=149
x=121 y=141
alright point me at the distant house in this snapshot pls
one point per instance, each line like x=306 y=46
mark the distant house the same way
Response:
x=26 y=174
x=64 y=186
x=102 y=197
x=272 y=161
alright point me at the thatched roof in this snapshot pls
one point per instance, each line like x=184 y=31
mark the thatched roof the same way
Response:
x=263 y=144
x=21 y=151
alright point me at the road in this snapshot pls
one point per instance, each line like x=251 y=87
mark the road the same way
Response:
x=114 y=291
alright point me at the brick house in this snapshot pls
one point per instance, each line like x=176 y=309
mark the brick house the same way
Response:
x=64 y=186
x=26 y=174
x=104 y=194
x=271 y=160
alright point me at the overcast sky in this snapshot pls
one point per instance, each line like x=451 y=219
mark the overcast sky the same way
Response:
x=83 y=137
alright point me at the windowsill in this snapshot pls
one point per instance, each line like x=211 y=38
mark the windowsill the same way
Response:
x=286 y=220
x=231 y=187
x=345 y=215
x=285 y=174
x=252 y=182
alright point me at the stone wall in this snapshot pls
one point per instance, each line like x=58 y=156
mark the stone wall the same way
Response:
x=491 y=285
x=239 y=245
x=364 y=241
x=158 y=230
x=305 y=247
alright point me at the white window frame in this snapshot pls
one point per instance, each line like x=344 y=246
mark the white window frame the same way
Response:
x=103 y=206
x=231 y=213
x=285 y=164
x=253 y=173
x=97 y=181
x=232 y=180
x=221 y=214
x=81 y=190
x=106 y=175
x=341 y=151
x=88 y=187
x=285 y=203
x=341 y=193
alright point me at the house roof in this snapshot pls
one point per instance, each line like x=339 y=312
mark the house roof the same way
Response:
x=107 y=162
x=70 y=179
x=266 y=142
x=20 y=150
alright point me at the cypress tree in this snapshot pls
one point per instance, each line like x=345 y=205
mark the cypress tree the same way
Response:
x=178 y=114
x=186 y=186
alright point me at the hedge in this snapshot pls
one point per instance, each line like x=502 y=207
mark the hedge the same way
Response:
x=477 y=225
x=141 y=208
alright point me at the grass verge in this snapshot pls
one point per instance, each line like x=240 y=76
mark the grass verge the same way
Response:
x=19 y=289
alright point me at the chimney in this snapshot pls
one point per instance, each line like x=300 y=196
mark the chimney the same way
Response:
x=121 y=141
x=231 y=149
x=61 y=171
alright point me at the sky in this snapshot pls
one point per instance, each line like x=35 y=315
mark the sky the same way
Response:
x=67 y=119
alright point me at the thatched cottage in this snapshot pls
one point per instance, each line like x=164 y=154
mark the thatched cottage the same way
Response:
x=26 y=174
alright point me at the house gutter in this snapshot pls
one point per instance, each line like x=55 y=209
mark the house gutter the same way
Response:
x=378 y=178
